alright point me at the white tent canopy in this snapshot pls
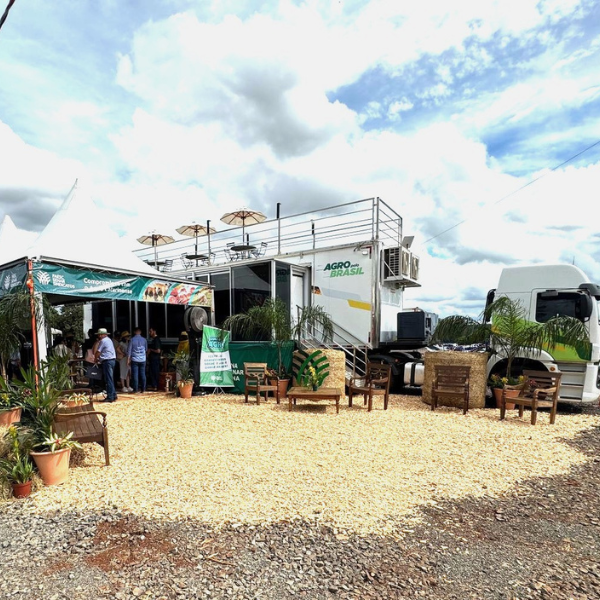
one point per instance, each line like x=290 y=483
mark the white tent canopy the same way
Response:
x=78 y=233
x=13 y=241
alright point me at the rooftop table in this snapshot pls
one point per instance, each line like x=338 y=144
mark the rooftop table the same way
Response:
x=244 y=249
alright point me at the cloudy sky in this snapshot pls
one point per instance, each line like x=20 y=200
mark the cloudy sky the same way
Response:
x=178 y=110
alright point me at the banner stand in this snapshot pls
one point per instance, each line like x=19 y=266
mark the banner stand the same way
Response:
x=218 y=390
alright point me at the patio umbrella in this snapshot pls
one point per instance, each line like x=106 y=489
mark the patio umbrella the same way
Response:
x=195 y=230
x=155 y=239
x=243 y=217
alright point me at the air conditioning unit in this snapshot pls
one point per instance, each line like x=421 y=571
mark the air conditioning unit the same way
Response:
x=406 y=262
x=391 y=262
x=414 y=267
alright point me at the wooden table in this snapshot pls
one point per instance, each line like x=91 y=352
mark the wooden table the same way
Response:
x=323 y=393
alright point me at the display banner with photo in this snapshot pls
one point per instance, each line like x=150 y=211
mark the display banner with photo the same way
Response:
x=70 y=281
x=215 y=364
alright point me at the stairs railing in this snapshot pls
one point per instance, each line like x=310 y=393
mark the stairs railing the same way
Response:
x=355 y=352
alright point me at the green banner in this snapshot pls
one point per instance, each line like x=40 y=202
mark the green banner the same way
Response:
x=85 y=283
x=261 y=352
x=13 y=279
x=215 y=365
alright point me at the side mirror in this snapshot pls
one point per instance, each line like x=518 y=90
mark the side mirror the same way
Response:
x=585 y=306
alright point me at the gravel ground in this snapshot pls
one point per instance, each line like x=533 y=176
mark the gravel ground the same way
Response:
x=256 y=502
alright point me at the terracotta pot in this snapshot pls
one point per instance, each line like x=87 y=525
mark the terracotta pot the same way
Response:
x=282 y=384
x=509 y=394
x=185 y=391
x=53 y=467
x=10 y=416
x=21 y=490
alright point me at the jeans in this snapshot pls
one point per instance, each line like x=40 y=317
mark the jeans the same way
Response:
x=138 y=376
x=108 y=369
x=154 y=371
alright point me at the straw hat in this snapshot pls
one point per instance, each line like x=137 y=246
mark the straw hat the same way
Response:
x=102 y=331
x=125 y=334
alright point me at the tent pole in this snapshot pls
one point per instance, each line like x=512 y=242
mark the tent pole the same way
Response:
x=155 y=254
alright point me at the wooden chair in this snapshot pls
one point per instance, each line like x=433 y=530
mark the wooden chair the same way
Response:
x=84 y=422
x=375 y=383
x=540 y=391
x=450 y=381
x=256 y=381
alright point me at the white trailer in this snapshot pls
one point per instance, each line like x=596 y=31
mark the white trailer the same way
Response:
x=351 y=259
x=547 y=291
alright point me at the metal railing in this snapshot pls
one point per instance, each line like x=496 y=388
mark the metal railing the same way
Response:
x=349 y=223
x=355 y=353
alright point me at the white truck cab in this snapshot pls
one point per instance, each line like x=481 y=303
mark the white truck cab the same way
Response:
x=547 y=291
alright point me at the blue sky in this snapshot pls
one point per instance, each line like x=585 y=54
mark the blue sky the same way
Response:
x=439 y=108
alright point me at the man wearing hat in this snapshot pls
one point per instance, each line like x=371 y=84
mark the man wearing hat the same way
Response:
x=106 y=356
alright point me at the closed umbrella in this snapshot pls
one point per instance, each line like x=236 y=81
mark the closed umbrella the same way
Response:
x=243 y=217
x=155 y=239
x=195 y=230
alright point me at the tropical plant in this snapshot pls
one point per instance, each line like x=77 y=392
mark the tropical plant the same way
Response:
x=505 y=327
x=273 y=319
x=40 y=401
x=16 y=467
x=183 y=367
x=9 y=395
x=15 y=316
x=58 y=371
x=53 y=443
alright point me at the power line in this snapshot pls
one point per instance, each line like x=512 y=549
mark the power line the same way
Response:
x=6 y=11
x=531 y=182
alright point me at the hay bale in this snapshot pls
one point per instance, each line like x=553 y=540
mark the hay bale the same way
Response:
x=337 y=368
x=477 y=379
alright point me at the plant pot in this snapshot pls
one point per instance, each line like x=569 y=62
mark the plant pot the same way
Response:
x=509 y=394
x=10 y=416
x=21 y=490
x=185 y=390
x=315 y=387
x=53 y=467
x=282 y=384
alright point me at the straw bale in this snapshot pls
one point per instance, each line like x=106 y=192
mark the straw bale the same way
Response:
x=478 y=376
x=337 y=368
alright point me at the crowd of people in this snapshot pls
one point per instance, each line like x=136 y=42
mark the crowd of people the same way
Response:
x=134 y=361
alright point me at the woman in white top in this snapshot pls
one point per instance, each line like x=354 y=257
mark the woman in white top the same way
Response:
x=122 y=350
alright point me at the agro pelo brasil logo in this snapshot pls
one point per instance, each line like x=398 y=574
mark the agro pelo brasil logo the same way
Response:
x=343 y=269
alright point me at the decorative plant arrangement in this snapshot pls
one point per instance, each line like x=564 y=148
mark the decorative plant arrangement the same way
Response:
x=17 y=468
x=52 y=457
x=311 y=379
x=504 y=326
x=273 y=319
x=183 y=368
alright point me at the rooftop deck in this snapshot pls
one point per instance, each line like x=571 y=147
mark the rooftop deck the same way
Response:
x=356 y=222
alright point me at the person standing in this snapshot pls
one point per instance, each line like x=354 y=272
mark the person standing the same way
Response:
x=138 y=349
x=154 y=352
x=106 y=356
x=123 y=358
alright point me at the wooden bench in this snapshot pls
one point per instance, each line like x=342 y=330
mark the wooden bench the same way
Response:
x=451 y=381
x=87 y=424
x=540 y=391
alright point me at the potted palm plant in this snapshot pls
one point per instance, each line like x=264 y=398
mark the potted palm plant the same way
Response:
x=183 y=368
x=274 y=320
x=505 y=327
x=16 y=468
